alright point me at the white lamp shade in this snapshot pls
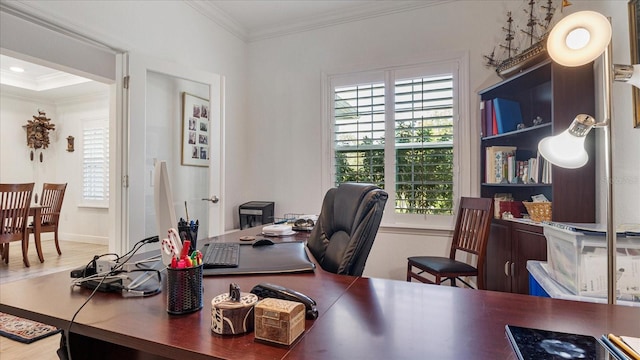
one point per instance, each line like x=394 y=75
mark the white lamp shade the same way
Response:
x=579 y=38
x=564 y=150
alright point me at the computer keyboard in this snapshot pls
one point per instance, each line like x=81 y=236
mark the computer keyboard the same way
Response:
x=221 y=255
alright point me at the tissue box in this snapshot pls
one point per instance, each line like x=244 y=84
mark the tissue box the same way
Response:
x=278 y=321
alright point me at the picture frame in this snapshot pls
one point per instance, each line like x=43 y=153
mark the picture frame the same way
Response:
x=634 y=36
x=195 y=130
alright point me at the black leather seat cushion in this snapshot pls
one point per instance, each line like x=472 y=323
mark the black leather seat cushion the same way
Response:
x=442 y=265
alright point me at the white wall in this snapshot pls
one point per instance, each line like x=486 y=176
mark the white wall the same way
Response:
x=77 y=223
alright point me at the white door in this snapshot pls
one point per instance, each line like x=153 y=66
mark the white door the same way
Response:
x=156 y=123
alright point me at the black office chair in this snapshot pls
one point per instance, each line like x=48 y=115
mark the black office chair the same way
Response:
x=347 y=226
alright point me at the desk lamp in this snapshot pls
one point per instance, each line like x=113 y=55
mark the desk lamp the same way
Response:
x=576 y=40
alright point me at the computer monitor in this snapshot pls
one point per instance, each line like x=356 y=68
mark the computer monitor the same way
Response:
x=163 y=202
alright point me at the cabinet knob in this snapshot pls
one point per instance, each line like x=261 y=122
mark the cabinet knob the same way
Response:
x=506 y=268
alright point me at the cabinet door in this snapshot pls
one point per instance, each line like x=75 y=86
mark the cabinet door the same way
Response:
x=498 y=257
x=527 y=243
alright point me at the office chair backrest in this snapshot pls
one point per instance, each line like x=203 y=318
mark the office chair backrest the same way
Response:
x=347 y=226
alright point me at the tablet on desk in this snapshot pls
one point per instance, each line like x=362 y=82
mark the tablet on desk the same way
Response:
x=286 y=257
x=535 y=344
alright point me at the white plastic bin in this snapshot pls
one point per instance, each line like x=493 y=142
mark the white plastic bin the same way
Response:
x=542 y=281
x=578 y=261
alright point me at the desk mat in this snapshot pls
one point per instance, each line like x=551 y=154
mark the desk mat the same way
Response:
x=268 y=259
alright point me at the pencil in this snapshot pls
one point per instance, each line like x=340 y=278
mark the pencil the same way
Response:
x=624 y=347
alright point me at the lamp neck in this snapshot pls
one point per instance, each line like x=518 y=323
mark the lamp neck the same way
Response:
x=622 y=72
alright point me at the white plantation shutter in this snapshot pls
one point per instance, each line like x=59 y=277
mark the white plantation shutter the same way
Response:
x=95 y=163
x=419 y=111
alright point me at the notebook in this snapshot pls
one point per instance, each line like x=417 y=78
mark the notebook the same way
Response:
x=538 y=344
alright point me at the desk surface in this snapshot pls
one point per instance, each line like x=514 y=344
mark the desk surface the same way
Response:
x=358 y=317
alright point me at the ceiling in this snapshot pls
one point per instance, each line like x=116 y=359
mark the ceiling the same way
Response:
x=42 y=83
x=250 y=20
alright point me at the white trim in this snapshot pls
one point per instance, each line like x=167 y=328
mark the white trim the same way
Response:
x=315 y=21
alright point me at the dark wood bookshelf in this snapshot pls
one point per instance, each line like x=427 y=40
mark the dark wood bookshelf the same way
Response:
x=556 y=94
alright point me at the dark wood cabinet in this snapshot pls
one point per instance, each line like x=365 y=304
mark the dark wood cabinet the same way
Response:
x=556 y=94
x=511 y=245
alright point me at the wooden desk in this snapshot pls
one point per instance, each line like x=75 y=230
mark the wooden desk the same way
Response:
x=387 y=319
x=358 y=318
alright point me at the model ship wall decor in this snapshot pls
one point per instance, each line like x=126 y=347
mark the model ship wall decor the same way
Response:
x=532 y=37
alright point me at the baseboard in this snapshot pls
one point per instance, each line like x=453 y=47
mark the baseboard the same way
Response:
x=98 y=240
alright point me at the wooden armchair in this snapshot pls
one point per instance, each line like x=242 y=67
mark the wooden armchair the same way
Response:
x=51 y=200
x=15 y=200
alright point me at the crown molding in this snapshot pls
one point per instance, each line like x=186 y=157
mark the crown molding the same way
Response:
x=372 y=10
x=219 y=17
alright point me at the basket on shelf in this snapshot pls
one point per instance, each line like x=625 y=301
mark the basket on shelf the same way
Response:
x=538 y=211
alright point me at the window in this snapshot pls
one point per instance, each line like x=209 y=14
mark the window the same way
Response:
x=416 y=107
x=95 y=163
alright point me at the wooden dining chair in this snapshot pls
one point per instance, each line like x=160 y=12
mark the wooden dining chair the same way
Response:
x=470 y=236
x=15 y=200
x=51 y=200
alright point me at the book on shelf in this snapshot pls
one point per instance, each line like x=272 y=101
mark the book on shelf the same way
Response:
x=496 y=163
x=494 y=123
x=488 y=118
x=483 y=119
x=508 y=114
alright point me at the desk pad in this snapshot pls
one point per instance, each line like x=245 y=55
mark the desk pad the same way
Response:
x=269 y=259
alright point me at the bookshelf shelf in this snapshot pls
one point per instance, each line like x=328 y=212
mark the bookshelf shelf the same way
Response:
x=546 y=127
x=517 y=185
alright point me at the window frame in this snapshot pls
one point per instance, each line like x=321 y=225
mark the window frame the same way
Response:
x=463 y=143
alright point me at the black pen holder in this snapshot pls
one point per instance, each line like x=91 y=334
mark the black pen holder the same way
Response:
x=189 y=232
x=184 y=290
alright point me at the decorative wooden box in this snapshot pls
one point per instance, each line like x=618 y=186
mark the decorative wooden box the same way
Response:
x=229 y=317
x=279 y=321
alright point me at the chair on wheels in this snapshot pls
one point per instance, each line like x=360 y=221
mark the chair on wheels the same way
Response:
x=470 y=236
x=51 y=199
x=15 y=200
x=347 y=226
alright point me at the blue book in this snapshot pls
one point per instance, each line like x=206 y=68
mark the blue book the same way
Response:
x=508 y=114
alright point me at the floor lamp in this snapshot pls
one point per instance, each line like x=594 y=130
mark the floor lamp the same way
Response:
x=576 y=40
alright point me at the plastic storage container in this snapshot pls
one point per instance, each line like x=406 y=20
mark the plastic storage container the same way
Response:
x=578 y=261
x=541 y=284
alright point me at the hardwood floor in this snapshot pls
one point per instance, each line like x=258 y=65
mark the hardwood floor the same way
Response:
x=74 y=255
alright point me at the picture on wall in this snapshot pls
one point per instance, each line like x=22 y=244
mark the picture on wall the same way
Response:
x=195 y=130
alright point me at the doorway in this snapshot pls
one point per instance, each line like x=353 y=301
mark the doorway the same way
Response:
x=72 y=104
